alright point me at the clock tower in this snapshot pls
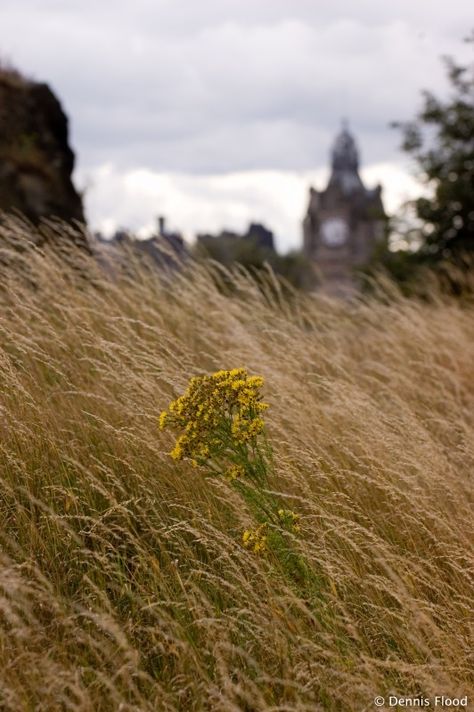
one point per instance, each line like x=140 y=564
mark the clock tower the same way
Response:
x=344 y=222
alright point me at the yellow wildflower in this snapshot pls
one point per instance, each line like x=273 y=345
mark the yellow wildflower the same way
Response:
x=177 y=452
x=235 y=471
x=290 y=519
x=255 y=539
x=246 y=535
x=215 y=413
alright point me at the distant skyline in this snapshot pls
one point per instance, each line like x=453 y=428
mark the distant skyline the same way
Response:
x=221 y=112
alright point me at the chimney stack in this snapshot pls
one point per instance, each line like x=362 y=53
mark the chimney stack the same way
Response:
x=161 y=225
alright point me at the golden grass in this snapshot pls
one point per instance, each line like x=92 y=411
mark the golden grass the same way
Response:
x=123 y=581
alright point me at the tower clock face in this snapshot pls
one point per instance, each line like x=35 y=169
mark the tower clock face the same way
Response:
x=334 y=232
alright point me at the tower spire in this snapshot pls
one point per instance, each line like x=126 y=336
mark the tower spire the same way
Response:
x=345 y=155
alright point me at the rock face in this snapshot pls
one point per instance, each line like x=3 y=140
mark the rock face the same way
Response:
x=36 y=161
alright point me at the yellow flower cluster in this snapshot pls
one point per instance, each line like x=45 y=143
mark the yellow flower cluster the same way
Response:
x=256 y=539
x=217 y=413
x=235 y=471
x=289 y=519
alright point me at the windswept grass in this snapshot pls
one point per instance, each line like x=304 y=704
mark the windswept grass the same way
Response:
x=124 y=584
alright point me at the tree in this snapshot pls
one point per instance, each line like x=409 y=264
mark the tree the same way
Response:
x=441 y=140
x=231 y=249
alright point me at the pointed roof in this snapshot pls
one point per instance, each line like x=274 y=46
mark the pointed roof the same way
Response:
x=345 y=163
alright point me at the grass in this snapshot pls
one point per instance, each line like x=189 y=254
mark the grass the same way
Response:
x=124 y=584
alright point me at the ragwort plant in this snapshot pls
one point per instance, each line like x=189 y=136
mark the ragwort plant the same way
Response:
x=222 y=431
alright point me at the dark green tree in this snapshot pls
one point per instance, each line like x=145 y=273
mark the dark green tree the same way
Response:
x=231 y=250
x=441 y=140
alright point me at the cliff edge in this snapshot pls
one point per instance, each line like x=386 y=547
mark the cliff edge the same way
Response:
x=36 y=161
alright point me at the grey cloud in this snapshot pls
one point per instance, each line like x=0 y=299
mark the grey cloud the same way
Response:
x=226 y=85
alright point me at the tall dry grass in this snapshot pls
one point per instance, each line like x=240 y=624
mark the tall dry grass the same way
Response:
x=123 y=581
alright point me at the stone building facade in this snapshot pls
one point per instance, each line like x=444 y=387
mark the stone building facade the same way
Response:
x=344 y=222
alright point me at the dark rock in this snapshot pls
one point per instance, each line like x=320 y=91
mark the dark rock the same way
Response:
x=36 y=161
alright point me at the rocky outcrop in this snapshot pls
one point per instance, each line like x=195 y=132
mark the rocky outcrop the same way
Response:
x=36 y=161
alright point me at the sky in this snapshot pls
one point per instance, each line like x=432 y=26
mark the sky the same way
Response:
x=216 y=113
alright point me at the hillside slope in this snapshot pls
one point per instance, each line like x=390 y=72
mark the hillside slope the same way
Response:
x=124 y=584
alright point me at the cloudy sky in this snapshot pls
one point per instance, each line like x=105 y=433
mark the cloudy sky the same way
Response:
x=218 y=112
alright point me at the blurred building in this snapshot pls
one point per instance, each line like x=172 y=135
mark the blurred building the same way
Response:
x=344 y=222
x=252 y=247
x=164 y=249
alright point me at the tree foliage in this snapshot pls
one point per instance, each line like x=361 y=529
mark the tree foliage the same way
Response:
x=234 y=250
x=441 y=140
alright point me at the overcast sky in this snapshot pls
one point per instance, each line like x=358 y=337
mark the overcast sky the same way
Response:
x=217 y=112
